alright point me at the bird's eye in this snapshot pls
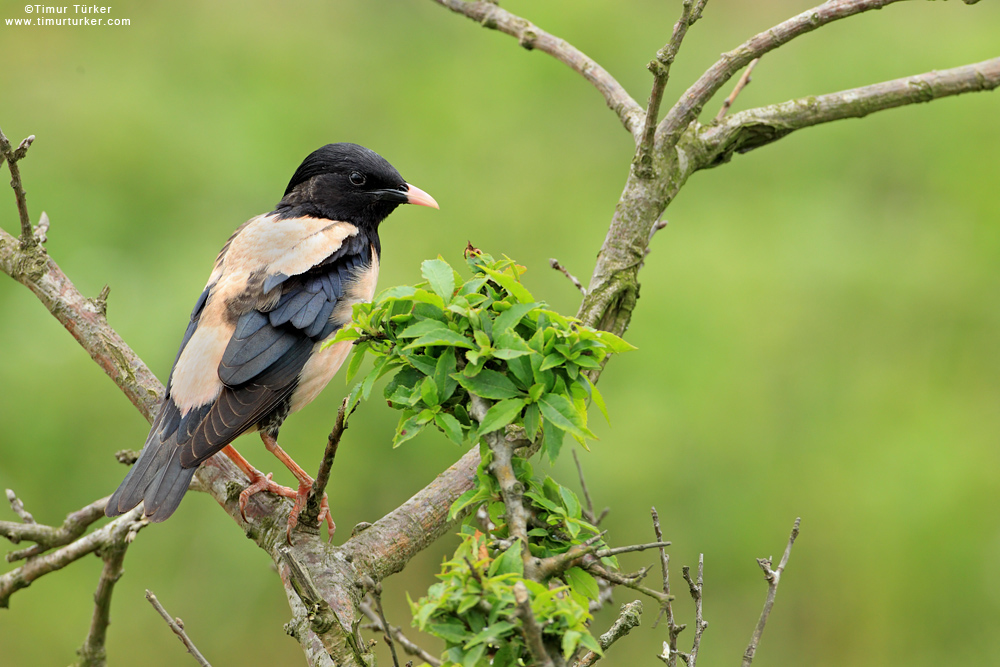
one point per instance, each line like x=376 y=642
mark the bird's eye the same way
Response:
x=357 y=178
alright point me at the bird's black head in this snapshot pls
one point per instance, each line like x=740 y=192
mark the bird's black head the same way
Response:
x=350 y=183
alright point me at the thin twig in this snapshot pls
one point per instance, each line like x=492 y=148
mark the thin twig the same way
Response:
x=530 y=36
x=629 y=582
x=700 y=624
x=554 y=263
x=740 y=85
x=13 y=156
x=310 y=515
x=773 y=579
x=660 y=67
x=404 y=642
x=375 y=590
x=178 y=628
x=674 y=630
x=529 y=627
x=18 y=507
x=630 y=548
x=628 y=619
x=49 y=537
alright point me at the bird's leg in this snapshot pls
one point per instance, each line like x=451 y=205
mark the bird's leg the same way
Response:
x=258 y=480
x=305 y=487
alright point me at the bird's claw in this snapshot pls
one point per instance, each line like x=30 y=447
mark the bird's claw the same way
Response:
x=301 y=498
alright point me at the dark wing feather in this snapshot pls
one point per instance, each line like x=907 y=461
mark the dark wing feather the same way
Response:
x=271 y=344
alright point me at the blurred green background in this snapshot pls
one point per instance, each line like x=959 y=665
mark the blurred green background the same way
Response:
x=817 y=330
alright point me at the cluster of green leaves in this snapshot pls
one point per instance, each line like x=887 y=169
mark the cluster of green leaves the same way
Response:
x=472 y=608
x=446 y=338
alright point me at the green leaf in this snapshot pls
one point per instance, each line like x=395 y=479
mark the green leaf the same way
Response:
x=407 y=428
x=421 y=328
x=445 y=366
x=428 y=392
x=357 y=357
x=508 y=562
x=571 y=502
x=569 y=642
x=509 y=283
x=500 y=415
x=614 y=343
x=557 y=409
x=521 y=369
x=441 y=277
x=489 y=384
x=398 y=292
x=595 y=395
x=553 y=440
x=551 y=361
x=453 y=631
x=450 y=427
x=441 y=337
x=588 y=641
x=532 y=420
x=471 y=658
x=510 y=317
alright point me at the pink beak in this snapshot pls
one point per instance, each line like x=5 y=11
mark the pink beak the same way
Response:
x=415 y=195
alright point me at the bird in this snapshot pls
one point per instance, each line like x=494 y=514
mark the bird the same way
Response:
x=253 y=352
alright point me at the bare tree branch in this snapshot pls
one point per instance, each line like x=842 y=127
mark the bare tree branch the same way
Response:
x=694 y=99
x=628 y=619
x=13 y=156
x=39 y=566
x=753 y=128
x=660 y=67
x=530 y=36
x=773 y=579
x=177 y=626
x=700 y=624
x=48 y=537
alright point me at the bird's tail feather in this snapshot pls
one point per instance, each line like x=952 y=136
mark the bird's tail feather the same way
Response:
x=157 y=479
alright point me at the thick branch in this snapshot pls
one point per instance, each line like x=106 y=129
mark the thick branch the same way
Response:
x=628 y=619
x=694 y=99
x=754 y=128
x=530 y=36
